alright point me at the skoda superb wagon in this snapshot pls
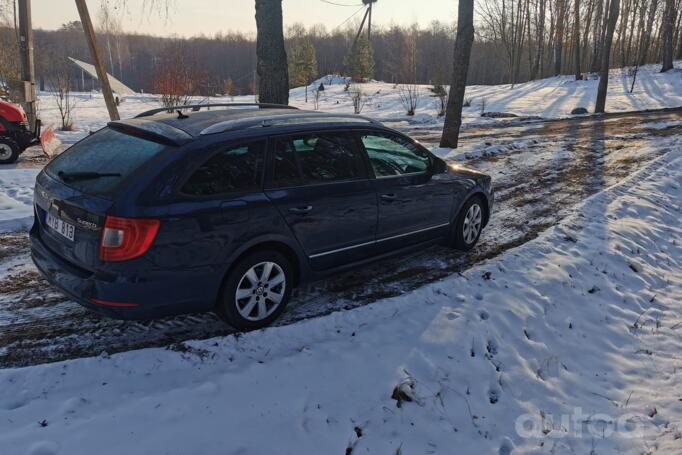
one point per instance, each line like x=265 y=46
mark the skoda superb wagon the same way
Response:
x=228 y=209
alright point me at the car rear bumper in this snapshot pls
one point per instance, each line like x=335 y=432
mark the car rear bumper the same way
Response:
x=120 y=297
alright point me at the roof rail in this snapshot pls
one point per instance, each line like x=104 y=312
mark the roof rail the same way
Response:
x=286 y=119
x=197 y=107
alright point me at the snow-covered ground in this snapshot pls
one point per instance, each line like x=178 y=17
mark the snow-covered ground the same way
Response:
x=16 y=198
x=568 y=344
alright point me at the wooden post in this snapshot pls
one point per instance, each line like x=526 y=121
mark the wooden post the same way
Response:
x=99 y=64
x=28 y=72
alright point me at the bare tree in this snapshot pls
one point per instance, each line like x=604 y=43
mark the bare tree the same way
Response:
x=409 y=97
x=559 y=36
x=460 y=62
x=60 y=84
x=9 y=49
x=539 y=38
x=669 y=17
x=506 y=20
x=614 y=10
x=272 y=65
x=576 y=40
x=177 y=78
x=441 y=95
x=358 y=97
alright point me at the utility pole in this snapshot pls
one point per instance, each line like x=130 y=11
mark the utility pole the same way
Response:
x=99 y=64
x=368 y=15
x=369 y=22
x=28 y=71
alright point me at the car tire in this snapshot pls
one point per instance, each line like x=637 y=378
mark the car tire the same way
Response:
x=9 y=150
x=247 y=300
x=468 y=225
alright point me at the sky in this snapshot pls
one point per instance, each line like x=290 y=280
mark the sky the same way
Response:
x=195 y=17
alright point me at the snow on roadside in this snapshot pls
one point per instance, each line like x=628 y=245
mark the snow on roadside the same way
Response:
x=16 y=198
x=567 y=344
x=554 y=97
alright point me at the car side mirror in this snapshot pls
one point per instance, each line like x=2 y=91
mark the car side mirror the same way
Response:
x=438 y=166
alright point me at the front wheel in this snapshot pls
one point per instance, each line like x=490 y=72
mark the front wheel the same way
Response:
x=9 y=150
x=468 y=225
x=256 y=291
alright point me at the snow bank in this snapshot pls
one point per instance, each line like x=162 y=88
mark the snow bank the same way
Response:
x=16 y=198
x=553 y=97
x=567 y=344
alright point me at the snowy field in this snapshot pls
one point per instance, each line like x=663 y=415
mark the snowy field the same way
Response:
x=569 y=343
x=548 y=98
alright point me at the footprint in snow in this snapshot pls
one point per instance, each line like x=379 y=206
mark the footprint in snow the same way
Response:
x=494 y=395
x=506 y=447
x=43 y=448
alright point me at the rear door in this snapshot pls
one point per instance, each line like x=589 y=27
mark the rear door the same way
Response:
x=413 y=205
x=320 y=184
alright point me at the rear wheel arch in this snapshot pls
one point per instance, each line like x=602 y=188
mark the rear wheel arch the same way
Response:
x=271 y=245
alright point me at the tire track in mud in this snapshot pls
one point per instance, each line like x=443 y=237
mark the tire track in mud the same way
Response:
x=558 y=165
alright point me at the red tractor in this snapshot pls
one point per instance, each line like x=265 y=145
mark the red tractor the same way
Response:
x=16 y=135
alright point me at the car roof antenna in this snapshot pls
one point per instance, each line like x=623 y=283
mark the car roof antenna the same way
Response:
x=181 y=115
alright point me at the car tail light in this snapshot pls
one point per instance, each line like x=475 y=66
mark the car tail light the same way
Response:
x=126 y=238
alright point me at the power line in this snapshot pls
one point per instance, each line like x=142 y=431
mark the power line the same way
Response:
x=349 y=18
x=340 y=4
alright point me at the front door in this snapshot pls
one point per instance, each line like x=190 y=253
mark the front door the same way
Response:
x=414 y=206
x=320 y=185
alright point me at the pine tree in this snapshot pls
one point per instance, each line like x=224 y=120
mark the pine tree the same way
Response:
x=360 y=61
x=228 y=86
x=302 y=64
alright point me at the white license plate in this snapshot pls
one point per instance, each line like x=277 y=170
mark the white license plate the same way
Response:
x=60 y=226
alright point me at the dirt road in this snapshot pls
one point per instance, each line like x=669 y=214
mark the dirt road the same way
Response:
x=541 y=171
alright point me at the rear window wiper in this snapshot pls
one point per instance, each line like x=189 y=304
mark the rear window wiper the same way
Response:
x=85 y=175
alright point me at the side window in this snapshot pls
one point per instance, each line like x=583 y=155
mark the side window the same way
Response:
x=233 y=169
x=316 y=158
x=394 y=155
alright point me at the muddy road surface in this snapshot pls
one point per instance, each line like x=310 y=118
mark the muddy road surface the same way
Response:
x=541 y=170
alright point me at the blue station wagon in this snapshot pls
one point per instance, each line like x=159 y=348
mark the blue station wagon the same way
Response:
x=228 y=208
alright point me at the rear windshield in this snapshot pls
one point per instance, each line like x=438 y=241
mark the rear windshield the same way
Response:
x=105 y=152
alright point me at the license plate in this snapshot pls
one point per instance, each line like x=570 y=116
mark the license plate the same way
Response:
x=60 y=226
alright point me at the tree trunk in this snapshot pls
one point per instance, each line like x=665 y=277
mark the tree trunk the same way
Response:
x=272 y=65
x=614 y=10
x=667 y=38
x=596 y=37
x=576 y=41
x=646 y=39
x=461 y=57
x=539 y=39
x=559 y=39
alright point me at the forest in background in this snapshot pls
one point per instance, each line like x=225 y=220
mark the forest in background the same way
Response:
x=515 y=41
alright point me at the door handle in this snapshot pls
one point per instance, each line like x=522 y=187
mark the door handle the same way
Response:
x=301 y=210
x=389 y=197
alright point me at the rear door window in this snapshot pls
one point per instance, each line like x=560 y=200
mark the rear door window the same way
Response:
x=109 y=152
x=316 y=158
x=236 y=168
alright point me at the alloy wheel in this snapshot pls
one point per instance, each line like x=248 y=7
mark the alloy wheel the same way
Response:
x=260 y=291
x=472 y=223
